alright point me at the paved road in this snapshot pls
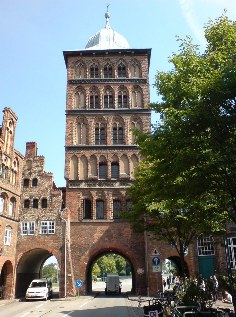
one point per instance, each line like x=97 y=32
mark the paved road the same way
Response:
x=84 y=306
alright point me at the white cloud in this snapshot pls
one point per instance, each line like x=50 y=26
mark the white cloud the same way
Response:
x=187 y=7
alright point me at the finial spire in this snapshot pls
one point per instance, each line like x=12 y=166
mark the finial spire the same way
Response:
x=107 y=16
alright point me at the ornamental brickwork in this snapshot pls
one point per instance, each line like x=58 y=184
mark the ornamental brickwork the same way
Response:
x=107 y=98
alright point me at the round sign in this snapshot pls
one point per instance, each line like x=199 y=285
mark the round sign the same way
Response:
x=78 y=283
x=156 y=261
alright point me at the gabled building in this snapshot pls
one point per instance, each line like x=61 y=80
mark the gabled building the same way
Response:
x=11 y=165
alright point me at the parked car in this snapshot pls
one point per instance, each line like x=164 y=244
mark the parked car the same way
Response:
x=39 y=289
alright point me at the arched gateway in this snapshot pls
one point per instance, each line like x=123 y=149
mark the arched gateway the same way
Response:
x=106 y=100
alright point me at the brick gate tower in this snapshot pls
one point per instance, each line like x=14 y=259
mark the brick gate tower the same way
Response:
x=107 y=98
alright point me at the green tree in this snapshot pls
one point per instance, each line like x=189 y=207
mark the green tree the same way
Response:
x=107 y=264
x=186 y=183
x=50 y=271
x=96 y=270
x=120 y=264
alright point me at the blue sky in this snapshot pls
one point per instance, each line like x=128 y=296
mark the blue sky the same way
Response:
x=34 y=34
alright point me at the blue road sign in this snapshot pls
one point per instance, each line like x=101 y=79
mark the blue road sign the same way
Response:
x=156 y=261
x=78 y=283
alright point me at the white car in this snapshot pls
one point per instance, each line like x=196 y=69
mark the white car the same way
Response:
x=39 y=289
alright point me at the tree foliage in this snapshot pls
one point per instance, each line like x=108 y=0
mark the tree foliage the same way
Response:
x=50 y=271
x=186 y=183
x=111 y=263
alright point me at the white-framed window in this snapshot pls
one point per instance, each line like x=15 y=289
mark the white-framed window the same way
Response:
x=7 y=235
x=205 y=245
x=2 y=202
x=231 y=244
x=12 y=206
x=28 y=228
x=47 y=227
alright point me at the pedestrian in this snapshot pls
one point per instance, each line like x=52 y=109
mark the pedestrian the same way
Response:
x=164 y=283
x=168 y=282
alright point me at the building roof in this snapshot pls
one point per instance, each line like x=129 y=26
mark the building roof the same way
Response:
x=107 y=38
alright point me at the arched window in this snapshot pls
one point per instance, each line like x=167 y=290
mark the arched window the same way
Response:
x=135 y=124
x=15 y=171
x=74 y=168
x=34 y=182
x=99 y=209
x=115 y=172
x=107 y=70
x=94 y=71
x=94 y=99
x=44 y=203
x=26 y=182
x=80 y=70
x=118 y=135
x=137 y=99
x=4 y=172
x=83 y=170
x=116 y=209
x=100 y=134
x=35 y=203
x=135 y=70
x=102 y=170
x=122 y=70
x=108 y=99
x=87 y=208
x=12 y=206
x=122 y=99
x=133 y=164
x=124 y=166
x=2 y=203
x=26 y=203
x=93 y=165
x=80 y=99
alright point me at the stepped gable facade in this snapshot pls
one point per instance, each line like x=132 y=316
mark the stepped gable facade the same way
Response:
x=11 y=165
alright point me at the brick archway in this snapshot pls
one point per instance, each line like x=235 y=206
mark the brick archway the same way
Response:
x=176 y=261
x=98 y=255
x=28 y=268
x=6 y=280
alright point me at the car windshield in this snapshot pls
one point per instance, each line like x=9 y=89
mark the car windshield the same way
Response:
x=38 y=284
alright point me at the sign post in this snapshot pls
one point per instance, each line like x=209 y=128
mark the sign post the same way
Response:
x=156 y=266
x=78 y=284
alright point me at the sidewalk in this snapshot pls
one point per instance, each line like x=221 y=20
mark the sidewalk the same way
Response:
x=82 y=298
x=134 y=303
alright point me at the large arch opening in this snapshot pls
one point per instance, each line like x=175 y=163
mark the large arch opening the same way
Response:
x=29 y=268
x=6 y=280
x=171 y=269
x=96 y=271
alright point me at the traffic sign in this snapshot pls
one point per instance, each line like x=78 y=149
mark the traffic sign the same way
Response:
x=156 y=260
x=155 y=252
x=156 y=268
x=78 y=283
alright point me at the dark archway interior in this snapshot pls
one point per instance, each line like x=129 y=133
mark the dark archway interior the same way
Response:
x=177 y=263
x=29 y=268
x=95 y=258
x=6 y=279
